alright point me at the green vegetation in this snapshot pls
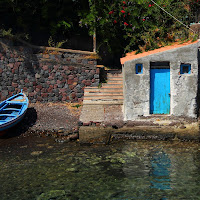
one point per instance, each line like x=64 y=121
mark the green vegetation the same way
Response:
x=77 y=106
x=52 y=43
x=41 y=19
x=140 y=24
x=121 y=26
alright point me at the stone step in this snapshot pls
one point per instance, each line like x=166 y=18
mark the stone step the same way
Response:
x=114 y=71
x=103 y=102
x=91 y=88
x=103 y=90
x=111 y=87
x=114 y=76
x=112 y=84
x=110 y=93
x=103 y=94
x=104 y=98
x=114 y=81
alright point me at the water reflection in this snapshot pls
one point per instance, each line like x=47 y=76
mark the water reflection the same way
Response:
x=160 y=171
x=130 y=170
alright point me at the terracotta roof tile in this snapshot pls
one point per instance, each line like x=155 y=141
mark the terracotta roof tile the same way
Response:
x=132 y=55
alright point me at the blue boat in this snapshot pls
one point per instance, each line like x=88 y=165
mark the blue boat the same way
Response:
x=12 y=110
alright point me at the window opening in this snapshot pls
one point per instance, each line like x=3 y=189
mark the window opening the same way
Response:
x=185 y=69
x=139 y=68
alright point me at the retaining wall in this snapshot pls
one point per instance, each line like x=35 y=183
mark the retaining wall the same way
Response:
x=47 y=75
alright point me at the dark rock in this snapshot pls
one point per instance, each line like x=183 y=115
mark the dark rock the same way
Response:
x=58 y=74
x=55 y=91
x=46 y=75
x=96 y=76
x=63 y=132
x=87 y=124
x=55 y=99
x=84 y=61
x=11 y=60
x=51 y=94
x=95 y=84
x=174 y=124
x=140 y=123
x=79 y=95
x=98 y=123
x=73 y=136
x=182 y=127
x=80 y=123
x=114 y=126
x=84 y=74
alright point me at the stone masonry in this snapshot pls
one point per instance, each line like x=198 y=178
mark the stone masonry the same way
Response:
x=56 y=75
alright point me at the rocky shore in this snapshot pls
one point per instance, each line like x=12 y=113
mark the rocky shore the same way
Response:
x=59 y=120
x=62 y=122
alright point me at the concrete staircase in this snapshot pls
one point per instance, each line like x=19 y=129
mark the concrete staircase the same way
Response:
x=110 y=92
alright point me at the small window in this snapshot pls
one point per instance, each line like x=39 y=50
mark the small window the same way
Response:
x=139 y=68
x=185 y=69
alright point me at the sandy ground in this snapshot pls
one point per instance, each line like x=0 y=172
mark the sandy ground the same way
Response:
x=47 y=117
x=54 y=116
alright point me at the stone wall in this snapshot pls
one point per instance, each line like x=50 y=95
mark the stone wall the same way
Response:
x=47 y=75
x=184 y=87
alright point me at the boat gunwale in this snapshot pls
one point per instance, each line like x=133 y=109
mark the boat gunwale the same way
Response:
x=19 y=116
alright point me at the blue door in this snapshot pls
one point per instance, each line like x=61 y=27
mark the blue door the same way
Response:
x=160 y=91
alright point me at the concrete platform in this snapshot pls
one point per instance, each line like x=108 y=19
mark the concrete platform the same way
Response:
x=101 y=113
x=105 y=123
x=96 y=135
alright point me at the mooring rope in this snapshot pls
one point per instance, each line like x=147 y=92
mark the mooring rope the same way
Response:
x=173 y=17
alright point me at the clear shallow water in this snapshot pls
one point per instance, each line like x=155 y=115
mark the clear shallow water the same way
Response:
x=38 y=168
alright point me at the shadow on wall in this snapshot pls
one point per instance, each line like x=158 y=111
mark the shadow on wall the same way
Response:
x=110 y=59
x=85 y=43
x=19 y=73
x=27 y=122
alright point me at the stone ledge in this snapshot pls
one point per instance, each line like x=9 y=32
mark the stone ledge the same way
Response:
x=67 y=50
x=95 y=135
x=49 y=48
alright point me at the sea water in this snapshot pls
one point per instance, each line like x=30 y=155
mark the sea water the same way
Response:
x=39 y=168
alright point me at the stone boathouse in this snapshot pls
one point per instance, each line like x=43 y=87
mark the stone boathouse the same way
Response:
x=161 y=82
x=155 y=96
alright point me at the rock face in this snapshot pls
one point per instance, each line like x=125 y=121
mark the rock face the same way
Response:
x=50 y=76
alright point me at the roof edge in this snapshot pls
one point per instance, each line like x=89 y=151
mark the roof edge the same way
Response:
x=131 y=56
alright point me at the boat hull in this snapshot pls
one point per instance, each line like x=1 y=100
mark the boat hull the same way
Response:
x=12 y=111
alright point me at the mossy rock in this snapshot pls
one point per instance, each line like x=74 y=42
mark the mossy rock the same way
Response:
x=53 y=194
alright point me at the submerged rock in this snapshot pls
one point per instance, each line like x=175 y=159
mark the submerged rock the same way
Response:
x=36 y=153
x=52 y=194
